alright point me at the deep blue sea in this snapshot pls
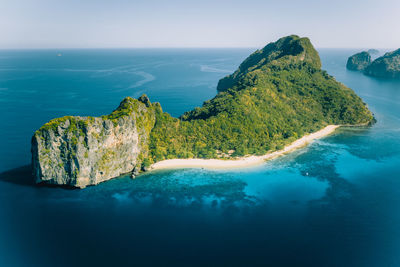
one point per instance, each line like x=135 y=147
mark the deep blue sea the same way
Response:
x=333 y=203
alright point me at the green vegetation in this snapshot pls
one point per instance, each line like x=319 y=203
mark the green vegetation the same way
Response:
x=127 y=107
x=288 y=49
x=277 y=95
x=387 y=66
x=359 y=61
x=77 y=128
x=146 y=162
x=106 y=160
x=77 y=124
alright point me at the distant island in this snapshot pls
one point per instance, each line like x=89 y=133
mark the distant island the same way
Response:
x=359 y=61
x=373 y=51
x=386 y=66
x=277 y=100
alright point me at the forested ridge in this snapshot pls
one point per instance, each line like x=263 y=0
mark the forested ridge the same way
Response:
x=277 y=95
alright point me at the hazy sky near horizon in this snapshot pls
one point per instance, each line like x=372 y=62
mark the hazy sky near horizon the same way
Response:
x=205 y=23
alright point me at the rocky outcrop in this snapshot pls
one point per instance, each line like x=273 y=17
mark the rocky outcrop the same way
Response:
x=387 y=66
x=82 y=151
x=359 y=61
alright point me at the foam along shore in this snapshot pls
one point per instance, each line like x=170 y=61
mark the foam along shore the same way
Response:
x=242 y=162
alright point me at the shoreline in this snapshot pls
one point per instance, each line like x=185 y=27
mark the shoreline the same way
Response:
x=242 y=162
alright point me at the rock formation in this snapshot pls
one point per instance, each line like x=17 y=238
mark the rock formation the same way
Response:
x=81 y=151
x=359 y=61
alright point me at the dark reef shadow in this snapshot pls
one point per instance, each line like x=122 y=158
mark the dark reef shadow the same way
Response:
x=21 y=176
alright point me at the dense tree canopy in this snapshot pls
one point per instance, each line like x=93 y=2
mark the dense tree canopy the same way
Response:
x=277 y=95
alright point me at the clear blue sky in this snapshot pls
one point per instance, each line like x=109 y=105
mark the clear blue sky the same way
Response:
x=202 y=23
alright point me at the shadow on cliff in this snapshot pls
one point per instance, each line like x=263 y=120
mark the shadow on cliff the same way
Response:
x=21 y=176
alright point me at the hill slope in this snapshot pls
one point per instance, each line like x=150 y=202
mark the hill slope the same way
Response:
x=290 y=48
x=277 y=95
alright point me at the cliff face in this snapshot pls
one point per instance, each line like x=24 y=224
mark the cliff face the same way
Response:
x=81 y=151
x=359 y=61
x=387 y=66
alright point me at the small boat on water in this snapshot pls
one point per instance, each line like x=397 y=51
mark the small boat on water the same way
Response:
x=59 y=55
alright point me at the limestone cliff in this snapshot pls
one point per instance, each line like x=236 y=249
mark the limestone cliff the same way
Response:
x=82 y=151
x=359 y=61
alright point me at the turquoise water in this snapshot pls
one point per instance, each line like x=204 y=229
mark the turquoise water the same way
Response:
x=333 y=203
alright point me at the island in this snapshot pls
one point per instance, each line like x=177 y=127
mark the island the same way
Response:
x=373 y=51
x=359 y=61
x=277 y=100
x=386 y=66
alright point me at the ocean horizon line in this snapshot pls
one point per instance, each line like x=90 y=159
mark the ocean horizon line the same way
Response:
x=177 y=47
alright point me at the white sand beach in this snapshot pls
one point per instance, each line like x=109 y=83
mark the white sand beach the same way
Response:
x=243 y=161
